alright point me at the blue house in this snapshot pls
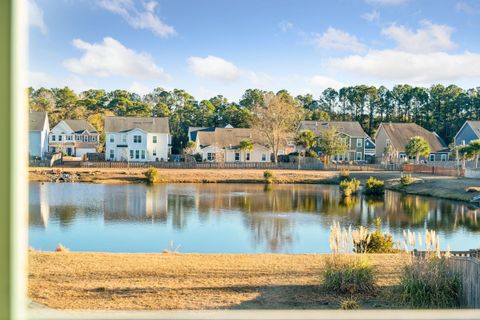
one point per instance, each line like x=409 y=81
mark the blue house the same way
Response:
x=468 y=132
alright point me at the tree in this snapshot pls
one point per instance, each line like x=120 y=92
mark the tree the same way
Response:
x=305 y=139
x=331 y=143
x=474 y=150
x=275 y=119
x=417 y=147
x=246 y=145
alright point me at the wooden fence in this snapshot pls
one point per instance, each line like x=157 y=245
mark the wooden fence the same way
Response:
x=441 y=171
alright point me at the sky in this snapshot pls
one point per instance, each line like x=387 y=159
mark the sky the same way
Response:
x=211 y=47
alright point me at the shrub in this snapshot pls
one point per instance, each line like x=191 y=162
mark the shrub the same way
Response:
x=430 y=283
x=406 y=179
x=198 y=157
x=61 y=248
x=152 y=175
x=374 y=187
x=344 y=174
x=349 y=304
x=268 y=176
x=349 y=187
x=348 y=274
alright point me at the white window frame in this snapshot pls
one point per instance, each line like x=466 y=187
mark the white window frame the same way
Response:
x=111 y=154
x=430 y=157
x=264 y=157
x=237 y=156
x=143 y=154
x=154 y=139
x=132 y=154
x=137 y=154
x=359 y=143
x=137 y=139
x=111 y=138
x=358 y=156
x=443 y=157
x=124 y=138
x=154 y=152
x=247 y=156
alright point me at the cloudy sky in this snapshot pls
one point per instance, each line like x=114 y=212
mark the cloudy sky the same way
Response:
x=211 y=47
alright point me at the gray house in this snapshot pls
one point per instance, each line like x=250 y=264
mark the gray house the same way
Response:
x=468 y=132
x=352 y=132
x=38 y=134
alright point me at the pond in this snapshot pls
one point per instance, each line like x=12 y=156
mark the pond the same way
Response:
x=228 y=218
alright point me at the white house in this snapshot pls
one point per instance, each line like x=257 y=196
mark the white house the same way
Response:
x=223 y=145
x=74 y=138
x=38 y=134
x=137 y=139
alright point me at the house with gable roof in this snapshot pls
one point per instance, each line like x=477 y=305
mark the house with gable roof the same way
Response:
x=468 y=132
x=38 y=129
x=73 y=138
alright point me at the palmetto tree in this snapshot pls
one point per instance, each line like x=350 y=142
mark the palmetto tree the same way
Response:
x=417 y=147
x=305 y=139
x=246 y=145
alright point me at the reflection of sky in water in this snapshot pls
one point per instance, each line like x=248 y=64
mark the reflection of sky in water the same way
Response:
x=228 y=218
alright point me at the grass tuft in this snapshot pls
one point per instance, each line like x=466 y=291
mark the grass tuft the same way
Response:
x=348 y=274
x=152 y=175
x=61 y=248
x=349 y=304
x=268 y=176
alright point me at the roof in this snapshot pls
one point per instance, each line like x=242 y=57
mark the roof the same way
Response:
x=79 y=126
x=37 y=120
x=147 y=124
x=475 y=125
x=401 y=133
x=192 y=131
x=226 y=137
x=350 y=128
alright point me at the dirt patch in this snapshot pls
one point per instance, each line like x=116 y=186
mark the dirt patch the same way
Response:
x=194 y=281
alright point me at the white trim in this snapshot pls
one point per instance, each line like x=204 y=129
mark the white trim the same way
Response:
x=461 y=128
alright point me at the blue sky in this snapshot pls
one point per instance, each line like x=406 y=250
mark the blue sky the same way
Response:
x=211 y=47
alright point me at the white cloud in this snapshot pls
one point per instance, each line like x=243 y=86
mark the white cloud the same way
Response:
x=285 y=26
x=414 y=67
x=430 y=38
x=214 y=68
x=38 y=79
x=466 y=7
x=35 y=16
x=111 y=58
x=139 y=18
x=387 y=2
x=373 y=16
x=322 y=82
x=139 y=88
x=338 y=40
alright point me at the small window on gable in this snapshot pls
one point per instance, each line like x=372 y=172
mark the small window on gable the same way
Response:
x=154 y=139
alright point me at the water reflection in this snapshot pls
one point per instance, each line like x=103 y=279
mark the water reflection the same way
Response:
x=228 y=217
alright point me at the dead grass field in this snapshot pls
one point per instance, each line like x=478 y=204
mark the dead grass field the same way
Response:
x=195 y=281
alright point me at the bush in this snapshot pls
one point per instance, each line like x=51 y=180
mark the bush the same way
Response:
x=374 y=187
x=344 y=174
x=152 y=175
x=406 y=179
x=349 y=304
x=430 y=283
x=348 y=274
x=268 y=176
x=198 y=157
x=349 y=187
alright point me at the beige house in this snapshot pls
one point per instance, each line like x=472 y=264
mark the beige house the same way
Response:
x=223 y=145
x=391 y=139
x=351 y=131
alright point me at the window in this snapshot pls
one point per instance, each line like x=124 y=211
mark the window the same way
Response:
x=53 y=137
x=77 y=138
x=247 y=156
x=137 y=154
x=143 y=154
x=443 y=157
x=154 y=153
x=137 y=139
x=112 y=154
x=359 y=143
x=154 y=139
x=432 y=157
x=359 y=155
x=131 y=154
x=264 y=157
x=402 y=156
x=69 y=138
x=112 y=139
x=237 y=156
x=210 y=156
x=124 y=138
x=59 y=137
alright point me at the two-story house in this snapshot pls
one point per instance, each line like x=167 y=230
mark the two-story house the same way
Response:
x=468 y=132
x=38 y=134
x=223 y=145
x=391 y=139
x=137 y=139
x=73 y=138
x=351 y=131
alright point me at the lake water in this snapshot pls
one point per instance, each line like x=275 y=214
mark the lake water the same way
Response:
x=228 y=218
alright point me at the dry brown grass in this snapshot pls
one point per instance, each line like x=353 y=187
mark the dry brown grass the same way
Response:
x=194 y=281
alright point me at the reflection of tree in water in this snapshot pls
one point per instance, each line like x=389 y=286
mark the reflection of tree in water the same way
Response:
x=64 y=213
x=275 y=232
x=180 y=207
x=417 y=209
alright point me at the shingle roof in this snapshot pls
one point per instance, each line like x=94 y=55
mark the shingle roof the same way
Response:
x=400 y=133
x=37 y=120
x=148 y=124
x=226 y=137
x=192 y=131
x=78 y=126
x=350 y=128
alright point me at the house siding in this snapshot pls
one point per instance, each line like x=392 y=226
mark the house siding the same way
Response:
x=465 y=135
x=119 y=146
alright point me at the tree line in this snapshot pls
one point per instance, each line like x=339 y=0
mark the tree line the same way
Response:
x=442 y=109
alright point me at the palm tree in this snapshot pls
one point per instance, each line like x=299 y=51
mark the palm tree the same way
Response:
x=474 y=148
x=305 y=139
x=246 y=145
x=417 y=147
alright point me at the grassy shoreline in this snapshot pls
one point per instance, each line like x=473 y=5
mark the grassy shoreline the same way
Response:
x=128 y=281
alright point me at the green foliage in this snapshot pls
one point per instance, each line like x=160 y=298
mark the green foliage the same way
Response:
x=349 y=187
x=417 y=147
x=152 y=175
x=406 y=179
x=430 y=283
x=374 y=187
x=268 y=176
x=306 y=139
x=246 y=145
x=198 y=157
x=331 y=143
x=348 y=274
x=349 y=304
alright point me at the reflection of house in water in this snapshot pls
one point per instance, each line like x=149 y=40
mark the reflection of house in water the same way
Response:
x=130 y=203
x=39 y=207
